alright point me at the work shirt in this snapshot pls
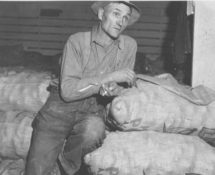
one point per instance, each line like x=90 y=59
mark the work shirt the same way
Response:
x=85 y=60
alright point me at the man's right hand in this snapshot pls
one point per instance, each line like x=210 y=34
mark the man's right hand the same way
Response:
x=120 y=76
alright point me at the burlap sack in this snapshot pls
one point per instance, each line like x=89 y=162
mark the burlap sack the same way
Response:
x=161 y=104
x=15 y=133
x=23 y=89
x=151 y=153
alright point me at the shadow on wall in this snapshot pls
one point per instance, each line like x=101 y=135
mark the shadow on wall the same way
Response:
x=179 y=61
x=15 y=55
x=149 y=64
x=164 y=63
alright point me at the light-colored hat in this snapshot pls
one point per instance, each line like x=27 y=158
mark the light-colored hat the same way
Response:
x=135 y=11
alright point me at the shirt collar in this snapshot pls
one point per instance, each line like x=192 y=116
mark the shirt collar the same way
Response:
x=96 y=39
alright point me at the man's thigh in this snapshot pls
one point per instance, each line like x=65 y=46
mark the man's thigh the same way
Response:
x=50 y=129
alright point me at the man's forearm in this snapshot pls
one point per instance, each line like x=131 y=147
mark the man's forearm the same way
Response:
x=76 y=89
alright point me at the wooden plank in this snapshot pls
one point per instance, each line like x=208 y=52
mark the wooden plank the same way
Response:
x=154 y=42
x=18 y=9
x=62 y=31
x=50 y=45
x=153 y=11
x=64 y=4
x=152 y=4
x=44 y=30
x=9 y=42
x=29 y=21
x=35 y=21
x=19 y=36
x=156 y=19
x=33 y=43
x=153 y=26
x=35 y=36
x=149 y=34
x=29 y=47
x=48 y=52
x=66 y=22
x=21 y=29
x=152 y=50
x=46 y=49
x=149 y=50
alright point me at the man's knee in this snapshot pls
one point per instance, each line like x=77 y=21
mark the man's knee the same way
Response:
x=95 y=129
x=94 y=134
x=88 y=132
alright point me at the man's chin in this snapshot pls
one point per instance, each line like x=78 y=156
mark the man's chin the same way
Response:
x=114 y=36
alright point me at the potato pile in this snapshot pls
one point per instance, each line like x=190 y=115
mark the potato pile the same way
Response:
x=151 y=153
x=15 y=133
x=23 y=89
x=23 y=92
x=152 y=118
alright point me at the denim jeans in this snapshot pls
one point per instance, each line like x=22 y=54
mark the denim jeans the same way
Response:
x=62 y=133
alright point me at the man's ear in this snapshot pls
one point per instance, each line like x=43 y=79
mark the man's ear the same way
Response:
x=100 y=13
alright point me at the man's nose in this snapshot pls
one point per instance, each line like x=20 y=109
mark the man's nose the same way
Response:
x=120 y=22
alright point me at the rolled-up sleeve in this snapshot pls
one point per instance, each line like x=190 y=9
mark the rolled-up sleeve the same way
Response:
x=72 y=85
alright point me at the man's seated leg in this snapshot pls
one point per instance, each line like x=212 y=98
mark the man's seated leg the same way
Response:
x=86 y=135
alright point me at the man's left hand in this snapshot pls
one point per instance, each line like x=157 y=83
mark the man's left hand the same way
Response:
x=110 y=89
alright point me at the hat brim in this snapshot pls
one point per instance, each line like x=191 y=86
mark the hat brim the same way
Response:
x=135 y=15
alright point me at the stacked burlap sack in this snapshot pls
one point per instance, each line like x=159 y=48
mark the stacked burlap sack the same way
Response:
x=154 y=120
x=22 y=89
x=151 y=153
x=157 y=104
x=23 y=92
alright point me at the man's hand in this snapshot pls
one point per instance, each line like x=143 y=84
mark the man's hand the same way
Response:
x=120 y=76
x=110 y=89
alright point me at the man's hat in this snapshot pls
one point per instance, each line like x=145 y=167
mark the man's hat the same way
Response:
x=135 y=11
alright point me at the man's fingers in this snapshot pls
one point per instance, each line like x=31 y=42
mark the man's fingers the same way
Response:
x=125 y=75
x=131 y=75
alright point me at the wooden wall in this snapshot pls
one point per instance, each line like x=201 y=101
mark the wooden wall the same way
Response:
x=45 y=26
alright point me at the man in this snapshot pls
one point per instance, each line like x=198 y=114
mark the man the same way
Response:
x=71 y=123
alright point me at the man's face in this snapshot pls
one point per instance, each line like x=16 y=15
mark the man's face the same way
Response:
x=115 y=19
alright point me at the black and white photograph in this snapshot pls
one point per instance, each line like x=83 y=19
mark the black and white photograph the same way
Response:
x=107 y=87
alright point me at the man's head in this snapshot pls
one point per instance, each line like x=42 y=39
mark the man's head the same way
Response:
x=115 y=16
